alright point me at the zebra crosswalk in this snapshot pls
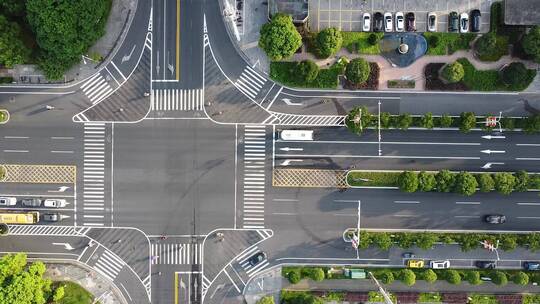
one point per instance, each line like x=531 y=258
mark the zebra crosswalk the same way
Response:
x=176 y=254
x=250 y=82
x=177 y=100
x=254 y=176
x=109 y=265
x=244 y=262
x=46 y=230
x=94 y=174
x=96 y=88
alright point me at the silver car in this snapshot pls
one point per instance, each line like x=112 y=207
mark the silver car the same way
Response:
x=8 y=201
x=432 y=22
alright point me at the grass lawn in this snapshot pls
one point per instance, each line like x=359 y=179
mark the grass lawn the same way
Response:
x=382 y=179
x=283 y=72
x=358 y=42
x=448 y=42
x=75 y=294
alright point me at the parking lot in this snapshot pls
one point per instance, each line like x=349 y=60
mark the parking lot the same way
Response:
x=347 y=14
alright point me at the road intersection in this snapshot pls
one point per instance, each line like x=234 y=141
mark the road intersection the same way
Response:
x=175 y=139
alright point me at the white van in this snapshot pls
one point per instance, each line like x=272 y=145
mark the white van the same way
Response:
x=296 y=135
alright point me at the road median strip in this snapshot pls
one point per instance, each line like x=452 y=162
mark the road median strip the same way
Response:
x=309 y=178
x=38 y=174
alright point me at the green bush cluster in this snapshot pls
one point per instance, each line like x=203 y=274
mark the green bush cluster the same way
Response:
x=328 y=42
x=447 y=43
x=357 y=71
x=305 y=75
x=362 y=42
x=295 y=274
x=453 y=72
x=492 y=80
x=491 y=47
x=299 y=297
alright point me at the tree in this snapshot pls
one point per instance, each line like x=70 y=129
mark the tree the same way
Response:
x=382 y=240
x=279 y=38
x=408 y=181
x=358 y=119
x=306 y=70
x=473 y=277
x=294 y=276
x=468 y=241
x=485 y=182
x=486 y=44
x=531 y=43
x=522 y=181
x=446 y=121
x=385 y=120
x=364 y=240
x=508 y=242
x=59 y=294
x=504 y=182
x=453 y=277
x=427 y=121
x=453 y=72
x=65 y=30
x=4 y=229
x=534 y=182
x=358 y=71
x=317 y=274
x=521 y=278
x=433 y=41
x=445 y=181
x=468 y=121
x=430 y=276
x=499 y=278
x=386 y=276
x=532 y=124
x=508 y=123
x=408 y=277
x=12 y=49
x=426 y=240
x=328 y=42
x=426 y=181
x=404 y=121
x=12 y=7
x=405 y=239
x=533 y=241
x=515 y=75
x=465 y=183
x=373 y=39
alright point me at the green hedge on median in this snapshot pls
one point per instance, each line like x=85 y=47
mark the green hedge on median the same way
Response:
x=285 y=73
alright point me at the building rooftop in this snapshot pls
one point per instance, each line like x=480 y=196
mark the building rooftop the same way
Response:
x=297 y=9
x=522 y=12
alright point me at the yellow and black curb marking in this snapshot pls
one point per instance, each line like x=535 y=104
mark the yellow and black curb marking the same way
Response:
x=309 y=178
x=39 y=174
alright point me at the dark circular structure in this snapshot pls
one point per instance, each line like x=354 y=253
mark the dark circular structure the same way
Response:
x=402 y=49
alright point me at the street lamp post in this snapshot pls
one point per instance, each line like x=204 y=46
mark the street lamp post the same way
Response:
x=385 y=295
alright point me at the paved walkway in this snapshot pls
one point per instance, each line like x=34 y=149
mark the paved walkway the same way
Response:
x=90 y=280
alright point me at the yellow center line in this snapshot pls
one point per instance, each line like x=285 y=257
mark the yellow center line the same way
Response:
x=177 y=39
x=175 y=288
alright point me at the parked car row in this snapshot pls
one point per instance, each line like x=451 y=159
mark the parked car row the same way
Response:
x=445 y=264
x=399 y=22
x=34 y=202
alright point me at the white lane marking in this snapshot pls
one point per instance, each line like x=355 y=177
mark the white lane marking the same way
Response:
x=467 y=216
x=406 y=202
x=60 y=151
x=16 y=151
x=468 y=203
x=529 y=217
x=528 y=204
x=16 y=137
x=382 y=142
x=376 y=156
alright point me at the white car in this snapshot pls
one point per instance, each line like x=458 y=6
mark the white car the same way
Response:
x=439 y=264
x=432 y=22
x=388 y=27
x=400 y=22
x=8 y=201
x=464 y=22
x=366 y=22
x=55 y=203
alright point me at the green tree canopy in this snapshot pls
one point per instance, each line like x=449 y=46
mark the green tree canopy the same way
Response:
x=531 y=43
x=12 y=49
x=382 y=240
x=473 y=277
x=445 y=181
x=306 y=70
x=408 y=277
x=532 y=124
x=521 y=278
x=453 y=72
x=317 y=274
x=427 y=121
x=485 y=182
x=430 y=276
x=465 y=183
x=358 y=71
x=508 y=242
x=426 y=181
x=504 y=182
x=408 y=181
x=468 y=121
x=426 y=240
x=522 y=181
x=404 y=121
x=65 y=29
x=499 y=278
x=446 y=121
x=12 y=7
x=405 y=239
x=386 y=276
x=515 y=75
x=328 y=41
x=486 y=44
x=453 y=277
x=279 y=38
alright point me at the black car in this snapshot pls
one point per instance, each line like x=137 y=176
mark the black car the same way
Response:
x=51 y=217
x=495 y=219
x=408 y=255
x=453 y=22
x=378 y=24
x=486 y=264
x=257 y=258
x=475 y=20
x=31 y=202
x=410 y=22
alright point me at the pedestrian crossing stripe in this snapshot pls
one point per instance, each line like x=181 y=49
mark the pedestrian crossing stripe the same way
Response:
x=250 y=82
x=96 y=88
x=46 y=230
x=254 y=176
x=176 y=254
x=243 y=260
x=177 y=100
x=109 y=265
x=94 y=175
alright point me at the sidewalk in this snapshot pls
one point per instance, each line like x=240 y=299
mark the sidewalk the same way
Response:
x=97 y=285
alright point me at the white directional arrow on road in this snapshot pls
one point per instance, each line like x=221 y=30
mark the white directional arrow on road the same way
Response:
x=66 y=245
x=289 y=103
x=488 y=165
x=60 y=189
x=492 y=151
x=288 y=161
x=291 y=149
x=128 y=56
x=493 y=136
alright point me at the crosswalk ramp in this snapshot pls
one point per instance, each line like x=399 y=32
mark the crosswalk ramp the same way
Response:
x=96 y=88
x=94 y=174
x=177 y=100
x=254 y=180
x=247 y=266
x=46 y=230
x=109 y=265
x=305 y=120
x=176 y=254
x=250 y=82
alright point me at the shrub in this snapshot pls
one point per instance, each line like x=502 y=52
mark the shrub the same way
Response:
x=504 y=182
x=426 y=181
x=499 y=278
x=473 y=277
x=306 y=70
x=382 y=240
x=404 y=121
x=468 y=121
x=385 y=120
x=328 y=42
x=59 y=293
x=365 y=240
x=521 y=278
x=446 y=121
x=465 y=183
x=358 y=71
x=468 y=241
x=317 y=274
x=522 y=181
x=533 y=241
x=531 y=43
x=486 y=44
x=408 y=181
x=430 y=276
x=508 y=123
x=445 y=181
x=408 y=277
x=516 y=76
x=427 y=121
x=426 y=240
x=294 y=276
x=386 y=277
x=405 y=239
x=373 y=39
x=279 y=38
x=453 y=72
x=532 y=124
x=485 y=182
x=453 y=277
x=433 y=41
x=508 y=242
